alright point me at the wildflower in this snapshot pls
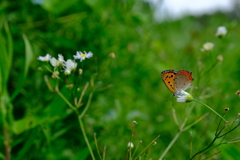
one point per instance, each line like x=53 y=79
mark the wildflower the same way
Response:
x=221 y=31
x=57 y=62
x=60 y=58
x=45 y=59
x=208 y=46
x=112 y=55
x=134 y=122
x=69 y=65
x=183 y=96
x=220 y=58
x=82 y=56
x=130 y=145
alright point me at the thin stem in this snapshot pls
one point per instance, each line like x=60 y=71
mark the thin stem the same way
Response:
x=48 y=83
x=131 y=138
x=180 y=130
x=147 y=147
x=81 y=124
x=212 y=155
x=6 y=143
x=87 y=106
x=203 y=150
x=211 y=110
x=83 y=92
x=95 y=139
x=85 y=137
x=195 y=122
x=64 y=98
x=175 y=117
x=191 y=143
x=218 y=127
x=170 y=145
x=229 y=131
x=104 y=152
x=136 y=148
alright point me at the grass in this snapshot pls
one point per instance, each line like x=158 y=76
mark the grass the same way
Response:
x=129 y=86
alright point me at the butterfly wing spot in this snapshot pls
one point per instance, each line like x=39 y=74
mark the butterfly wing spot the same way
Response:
x=168 y=78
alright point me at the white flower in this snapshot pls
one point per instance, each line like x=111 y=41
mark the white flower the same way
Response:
x=82 y=56
x=57 y=62
x=221 y=31
x=130 y=145
x=208 y=46
x=69 y=65
x=46 y=58
x=54 y=62
x=60 y=58
x=183 y=96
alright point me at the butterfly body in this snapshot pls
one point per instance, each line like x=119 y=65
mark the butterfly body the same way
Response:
x=177 y=80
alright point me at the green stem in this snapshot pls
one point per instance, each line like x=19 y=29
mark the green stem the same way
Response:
x=83 y=92
x=95 y=139
x=85 y=137
x=147 y=147
x=81 y=124
x=80 y=116
x=64 y=98
x=180 y=130
x=87 y=106
x=211 y=110
x=174 y=139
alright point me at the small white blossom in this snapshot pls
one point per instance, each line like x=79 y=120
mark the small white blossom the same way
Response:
x=69 y=65
x=208 y=46
x=183 y=96
x=130 y=145
x=45 y=58
x=82 y=56
x=221 y=31
x=54 y=62
x=60 y=58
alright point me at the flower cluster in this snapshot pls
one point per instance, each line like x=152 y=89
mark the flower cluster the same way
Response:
x=68 y=65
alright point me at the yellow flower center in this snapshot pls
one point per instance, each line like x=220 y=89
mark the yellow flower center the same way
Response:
x=83 y=55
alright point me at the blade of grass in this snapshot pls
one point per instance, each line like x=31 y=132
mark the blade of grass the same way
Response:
x=28 y=59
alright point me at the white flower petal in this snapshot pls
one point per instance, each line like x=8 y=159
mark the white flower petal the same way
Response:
x=208 y=46
x=60 y=58
x=45 y=58
x=183 y=96
x=221 y=31
x=54 y=62
x=82 y=56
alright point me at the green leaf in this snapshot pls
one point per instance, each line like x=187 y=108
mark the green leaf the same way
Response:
x=6 y=53
x=28 y=54
x=28 y=59
x=27 y=123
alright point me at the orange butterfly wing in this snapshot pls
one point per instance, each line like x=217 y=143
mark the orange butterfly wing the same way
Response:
x=168 y=77
x=183 y=80
x=187 y=73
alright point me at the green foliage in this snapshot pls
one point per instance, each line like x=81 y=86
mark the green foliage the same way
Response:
x=42 y=126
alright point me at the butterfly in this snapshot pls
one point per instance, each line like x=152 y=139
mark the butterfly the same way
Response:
x=177 y=80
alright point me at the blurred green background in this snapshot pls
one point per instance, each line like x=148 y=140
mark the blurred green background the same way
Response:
x=132 y=88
